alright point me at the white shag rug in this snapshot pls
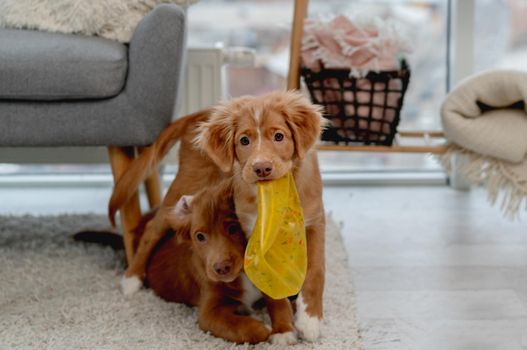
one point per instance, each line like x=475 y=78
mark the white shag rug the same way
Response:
x=56 y=293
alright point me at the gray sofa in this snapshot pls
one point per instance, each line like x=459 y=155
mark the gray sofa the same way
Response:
x=74 y=90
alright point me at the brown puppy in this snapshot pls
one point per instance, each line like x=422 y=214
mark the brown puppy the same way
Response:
x=248 y=139
x=201 y=265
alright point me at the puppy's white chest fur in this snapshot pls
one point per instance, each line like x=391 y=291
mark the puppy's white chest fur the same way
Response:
x=246 y=206
x=250 y=293
x=247 y=221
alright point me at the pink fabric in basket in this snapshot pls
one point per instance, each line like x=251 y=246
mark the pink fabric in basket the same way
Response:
x=340 y=43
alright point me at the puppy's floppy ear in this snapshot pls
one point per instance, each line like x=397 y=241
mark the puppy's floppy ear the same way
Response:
x=304 y=119
x=180 y=216
x=216 y=137
x=183 y=207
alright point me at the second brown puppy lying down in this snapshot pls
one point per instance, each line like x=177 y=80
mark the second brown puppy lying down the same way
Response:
x=201 y=265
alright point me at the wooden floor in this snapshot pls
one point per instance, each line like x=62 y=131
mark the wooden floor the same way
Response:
x=433 y=268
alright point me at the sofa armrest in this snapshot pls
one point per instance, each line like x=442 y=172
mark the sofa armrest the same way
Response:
x=155 y=61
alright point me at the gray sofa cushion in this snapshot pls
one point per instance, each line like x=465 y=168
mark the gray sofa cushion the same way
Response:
x=51 y=66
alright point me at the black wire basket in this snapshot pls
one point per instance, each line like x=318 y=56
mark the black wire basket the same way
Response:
x=361 y=110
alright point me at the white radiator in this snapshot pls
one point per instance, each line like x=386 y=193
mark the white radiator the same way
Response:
x=202 y=84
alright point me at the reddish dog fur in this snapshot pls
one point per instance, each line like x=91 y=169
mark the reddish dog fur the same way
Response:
x=247 y=139
x=201 y=265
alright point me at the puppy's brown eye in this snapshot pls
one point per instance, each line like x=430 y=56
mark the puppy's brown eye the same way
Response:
x=244 y=140
x=278 y=136
x=200 y=236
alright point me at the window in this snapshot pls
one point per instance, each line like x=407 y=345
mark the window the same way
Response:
x=265 y=26
x=500 y=34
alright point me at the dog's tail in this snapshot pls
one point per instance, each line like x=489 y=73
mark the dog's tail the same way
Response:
x=105 y=238
x=148 y=160
x=113 y=239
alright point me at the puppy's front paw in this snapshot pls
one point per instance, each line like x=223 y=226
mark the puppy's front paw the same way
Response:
x=307 y=326
x=254 y=332
x=287 y=338
x=130 y=285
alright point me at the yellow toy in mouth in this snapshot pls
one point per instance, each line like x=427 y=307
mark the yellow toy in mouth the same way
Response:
x=276 y=254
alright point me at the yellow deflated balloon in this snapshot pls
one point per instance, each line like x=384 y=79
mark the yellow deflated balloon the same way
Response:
x=276 y=254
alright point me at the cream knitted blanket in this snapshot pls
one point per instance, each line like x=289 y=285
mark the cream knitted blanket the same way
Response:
x=114 y=19
x=485 y=120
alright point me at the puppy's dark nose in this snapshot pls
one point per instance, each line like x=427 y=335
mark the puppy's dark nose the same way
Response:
x=263 y=169
x=223 y=268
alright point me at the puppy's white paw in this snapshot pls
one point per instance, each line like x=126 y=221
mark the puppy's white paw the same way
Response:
x=130 y=285
x=287 y=338
x=307 y=326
